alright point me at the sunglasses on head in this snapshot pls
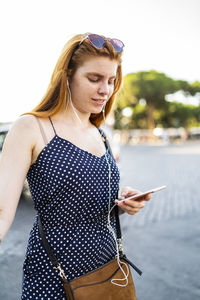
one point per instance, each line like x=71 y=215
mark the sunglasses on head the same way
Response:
x=99 y=41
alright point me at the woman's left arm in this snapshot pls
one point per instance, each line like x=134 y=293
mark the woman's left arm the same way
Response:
x=131 y=206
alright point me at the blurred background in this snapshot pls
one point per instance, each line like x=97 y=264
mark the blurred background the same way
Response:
x=155 y=124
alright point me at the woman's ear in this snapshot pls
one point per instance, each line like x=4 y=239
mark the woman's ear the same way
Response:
x=69 y=73
x=68 y=78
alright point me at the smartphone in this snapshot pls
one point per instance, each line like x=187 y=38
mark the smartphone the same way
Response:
x=135 y=197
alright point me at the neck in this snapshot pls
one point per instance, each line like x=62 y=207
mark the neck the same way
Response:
x=76 y=119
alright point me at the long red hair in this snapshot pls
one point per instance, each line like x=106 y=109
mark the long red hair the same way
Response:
x=72 y=57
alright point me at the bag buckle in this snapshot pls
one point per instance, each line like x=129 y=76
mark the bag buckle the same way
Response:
x=120 y=247
x=61 y=272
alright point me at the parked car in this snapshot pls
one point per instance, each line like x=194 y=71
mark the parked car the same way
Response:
x=194 y=133
x=3 y=132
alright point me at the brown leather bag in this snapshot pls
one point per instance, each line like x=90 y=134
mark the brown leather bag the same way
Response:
x=97 y=284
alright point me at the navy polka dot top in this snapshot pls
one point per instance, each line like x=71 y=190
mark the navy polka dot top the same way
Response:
x=69 y=188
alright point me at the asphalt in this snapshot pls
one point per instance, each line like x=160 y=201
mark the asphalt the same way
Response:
x=163 y=240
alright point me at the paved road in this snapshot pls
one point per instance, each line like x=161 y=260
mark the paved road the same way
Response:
x=163 y=239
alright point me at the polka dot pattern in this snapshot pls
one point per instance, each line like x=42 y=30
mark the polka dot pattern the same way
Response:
x=69 y=188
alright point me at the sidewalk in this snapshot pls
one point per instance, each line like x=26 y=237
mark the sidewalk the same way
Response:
x=168 y=255
x=163 y=240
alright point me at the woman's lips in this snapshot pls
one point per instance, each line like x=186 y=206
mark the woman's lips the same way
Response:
x=99 y=101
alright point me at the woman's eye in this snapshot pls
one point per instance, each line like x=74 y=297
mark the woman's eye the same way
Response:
x=93 y=80
x=97 y=80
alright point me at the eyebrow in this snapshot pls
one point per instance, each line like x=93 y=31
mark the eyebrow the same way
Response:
x=99 y=75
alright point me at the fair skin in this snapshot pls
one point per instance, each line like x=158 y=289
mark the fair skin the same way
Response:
x=93 y=81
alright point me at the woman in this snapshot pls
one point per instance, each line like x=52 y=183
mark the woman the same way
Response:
x=72 y=178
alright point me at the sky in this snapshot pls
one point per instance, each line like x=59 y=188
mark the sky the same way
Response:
x=162 y=35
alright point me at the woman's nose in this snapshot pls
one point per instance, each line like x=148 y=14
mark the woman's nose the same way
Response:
x=104 y=89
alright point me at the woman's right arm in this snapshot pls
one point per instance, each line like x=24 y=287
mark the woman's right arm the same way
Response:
x=15 y=161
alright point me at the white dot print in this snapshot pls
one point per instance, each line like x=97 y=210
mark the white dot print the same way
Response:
x=69 y=188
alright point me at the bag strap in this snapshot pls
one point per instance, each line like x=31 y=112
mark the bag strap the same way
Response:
x=46 y=244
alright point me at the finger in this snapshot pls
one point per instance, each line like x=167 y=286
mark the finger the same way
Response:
x=148 y=197
x=128 y=209
x=122 y=205
x=129 y=204
x=132 y=193
x=133 y=204
x=124 y=191
x=128 y=191
x=132 y=211
x=143 y=198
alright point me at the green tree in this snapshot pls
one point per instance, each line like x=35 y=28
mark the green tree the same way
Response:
x=153 y=87
x=180 y=115
x=190 y=89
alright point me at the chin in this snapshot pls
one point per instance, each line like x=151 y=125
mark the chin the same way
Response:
x=96 y=111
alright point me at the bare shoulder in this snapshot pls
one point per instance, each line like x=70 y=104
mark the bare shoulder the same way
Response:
x=24 y=122
x=23 y=129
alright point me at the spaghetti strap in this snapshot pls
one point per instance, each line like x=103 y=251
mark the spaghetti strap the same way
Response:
x=42 y=131
x=101 y=132
x=52 y=125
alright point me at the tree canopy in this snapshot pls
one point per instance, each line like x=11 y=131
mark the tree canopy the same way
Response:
x=145 y=93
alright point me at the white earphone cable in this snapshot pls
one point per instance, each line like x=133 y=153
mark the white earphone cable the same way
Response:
x=70 y=99
x=109 y=226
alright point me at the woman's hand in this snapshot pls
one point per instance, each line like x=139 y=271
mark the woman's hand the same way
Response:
x=131 y=206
